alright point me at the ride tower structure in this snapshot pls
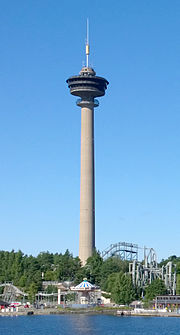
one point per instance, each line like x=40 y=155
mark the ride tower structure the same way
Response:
x=87 y=86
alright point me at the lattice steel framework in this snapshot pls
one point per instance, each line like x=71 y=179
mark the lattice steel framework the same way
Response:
x=11 y=292
x=143 y=273
x=123 y=250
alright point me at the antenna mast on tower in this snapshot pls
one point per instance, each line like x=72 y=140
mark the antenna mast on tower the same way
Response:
x=87 y=44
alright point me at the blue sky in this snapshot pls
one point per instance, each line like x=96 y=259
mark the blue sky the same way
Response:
x=135 y=45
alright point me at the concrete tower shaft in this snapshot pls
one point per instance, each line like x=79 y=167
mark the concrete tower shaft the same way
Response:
x=87 y=86
x=87 y=189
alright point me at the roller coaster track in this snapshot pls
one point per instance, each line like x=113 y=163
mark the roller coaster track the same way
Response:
x=126 y=251
x=11 y=292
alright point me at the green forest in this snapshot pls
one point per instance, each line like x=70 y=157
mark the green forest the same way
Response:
x=28 y=272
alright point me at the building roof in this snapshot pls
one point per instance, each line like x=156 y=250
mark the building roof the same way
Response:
x=84 y=285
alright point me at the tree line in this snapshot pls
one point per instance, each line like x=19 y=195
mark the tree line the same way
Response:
x=28 y=273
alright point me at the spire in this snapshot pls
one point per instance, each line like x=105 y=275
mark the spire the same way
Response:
x=87 y=44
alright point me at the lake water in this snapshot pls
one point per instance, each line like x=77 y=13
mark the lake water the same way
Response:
x=88 y=325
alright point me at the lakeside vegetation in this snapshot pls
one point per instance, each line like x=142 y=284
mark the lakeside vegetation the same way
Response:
x=28 y=272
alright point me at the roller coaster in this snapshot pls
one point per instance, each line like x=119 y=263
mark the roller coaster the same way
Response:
x=123 y=250
x=145 y=271
x=11 y=292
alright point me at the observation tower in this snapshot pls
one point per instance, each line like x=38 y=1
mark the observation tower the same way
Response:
x=87 y=86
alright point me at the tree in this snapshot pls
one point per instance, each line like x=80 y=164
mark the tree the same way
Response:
x=45 y=260
x=66 y=266
x=50 y=275
x=109 y=266
x=33 y=289
x=51 y=289
x=157 y=287
x=123 y=291
x=93 y=268
x=110 y=282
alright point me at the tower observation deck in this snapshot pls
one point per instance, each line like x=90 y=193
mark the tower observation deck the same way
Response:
x=87 y=86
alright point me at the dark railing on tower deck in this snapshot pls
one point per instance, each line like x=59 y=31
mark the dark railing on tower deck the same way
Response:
x=80 y=101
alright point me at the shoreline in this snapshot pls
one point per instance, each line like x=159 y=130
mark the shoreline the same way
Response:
x=115 y=312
